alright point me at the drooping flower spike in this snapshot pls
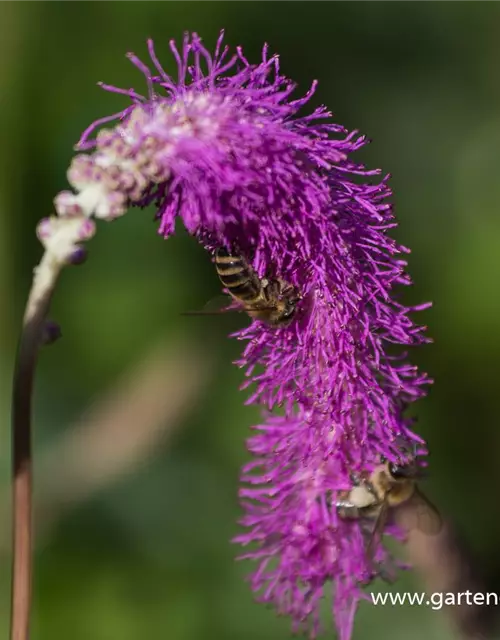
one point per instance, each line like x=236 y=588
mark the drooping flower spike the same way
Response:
x=226 y=148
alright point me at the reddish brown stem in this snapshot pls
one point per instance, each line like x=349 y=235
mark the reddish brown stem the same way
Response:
x=45 y=278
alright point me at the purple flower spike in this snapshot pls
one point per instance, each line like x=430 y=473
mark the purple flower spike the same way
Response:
x=225 y=147
x=295 y=533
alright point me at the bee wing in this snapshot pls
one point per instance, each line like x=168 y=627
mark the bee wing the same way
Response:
x=226 y=304
x=215 y=306
x=378 y=529
x=423 y=515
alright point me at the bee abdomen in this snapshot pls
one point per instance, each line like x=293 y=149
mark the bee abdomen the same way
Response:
x=227 y=262
x=236 y=275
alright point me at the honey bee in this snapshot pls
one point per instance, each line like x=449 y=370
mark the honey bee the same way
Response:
x=389 y=486
x=272 y=301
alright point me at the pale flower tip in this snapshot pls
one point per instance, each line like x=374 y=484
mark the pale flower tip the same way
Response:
x=66 y=204
x=43 y=229
x=61 y=235
x=86 y=229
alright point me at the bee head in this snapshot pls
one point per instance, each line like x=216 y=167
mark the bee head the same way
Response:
x=288 y=305
x=406 y=471
x=289 y=308
x=407 y=465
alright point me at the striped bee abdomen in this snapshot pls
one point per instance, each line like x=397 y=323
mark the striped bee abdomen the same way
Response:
x=237 y=276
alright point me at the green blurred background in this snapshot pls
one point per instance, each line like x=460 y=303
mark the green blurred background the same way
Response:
x=137 y=502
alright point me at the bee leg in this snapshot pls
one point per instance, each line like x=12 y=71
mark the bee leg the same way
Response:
x=354 y=478
x=371 y=490
x=284 y=288
x=385 y=575
x=271 y=288
x=347 y=510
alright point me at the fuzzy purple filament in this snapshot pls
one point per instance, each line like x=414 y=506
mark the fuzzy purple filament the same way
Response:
x=233 y=155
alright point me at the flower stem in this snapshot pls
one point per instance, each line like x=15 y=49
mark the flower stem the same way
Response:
x=449 y=568
x=44 y=281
